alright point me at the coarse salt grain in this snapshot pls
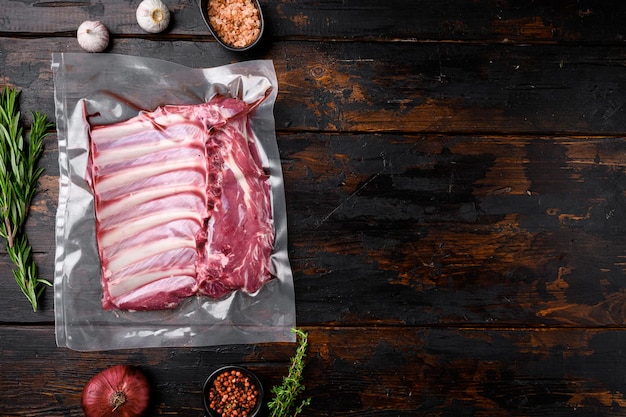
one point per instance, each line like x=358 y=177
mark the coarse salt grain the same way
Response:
x=236 y=22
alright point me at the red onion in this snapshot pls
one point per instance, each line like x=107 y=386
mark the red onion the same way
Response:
x=118 y=391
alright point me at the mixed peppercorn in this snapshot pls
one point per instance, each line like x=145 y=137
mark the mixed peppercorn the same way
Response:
x=233 y=394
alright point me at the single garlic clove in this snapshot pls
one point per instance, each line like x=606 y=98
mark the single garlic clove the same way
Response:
x=92 y=36
x=153 y=16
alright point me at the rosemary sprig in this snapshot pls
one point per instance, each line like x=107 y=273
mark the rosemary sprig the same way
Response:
x=286 y=394
x=18 y=182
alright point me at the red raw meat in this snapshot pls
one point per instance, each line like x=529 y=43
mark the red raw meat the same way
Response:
x=240 y=229
x=182 y=205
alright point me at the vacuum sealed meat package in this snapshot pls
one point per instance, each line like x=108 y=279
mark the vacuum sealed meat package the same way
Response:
x=171 y=224
x=182 y=205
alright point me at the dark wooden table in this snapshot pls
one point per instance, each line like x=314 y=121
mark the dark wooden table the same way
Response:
x=456 y=194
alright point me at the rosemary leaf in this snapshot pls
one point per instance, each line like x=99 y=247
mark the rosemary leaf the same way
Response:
x=25 y=272
x=19 y=175
x=286 y=395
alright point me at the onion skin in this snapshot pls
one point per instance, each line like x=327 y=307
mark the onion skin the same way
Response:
x=118 y=391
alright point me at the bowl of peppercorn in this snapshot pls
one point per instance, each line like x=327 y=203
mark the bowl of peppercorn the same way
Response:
x=232 y=391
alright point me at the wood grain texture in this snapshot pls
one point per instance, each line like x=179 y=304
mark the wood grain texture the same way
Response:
x=455 y=177
x=580 y=22
x=506 y=230
x=354 y=371
x=394 y=87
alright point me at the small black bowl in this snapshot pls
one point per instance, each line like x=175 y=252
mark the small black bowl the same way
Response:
x=208 y=384
x=204 y=11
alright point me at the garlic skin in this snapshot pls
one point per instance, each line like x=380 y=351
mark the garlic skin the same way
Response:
x=92 y=36
x=153 y=16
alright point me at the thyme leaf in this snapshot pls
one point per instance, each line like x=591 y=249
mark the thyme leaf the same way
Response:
x=19 y=175
x=286 y=395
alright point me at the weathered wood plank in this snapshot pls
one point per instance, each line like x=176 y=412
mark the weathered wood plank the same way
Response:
x=484 y=21
x=456 y=196
x=458 y=229
x=434 y=229
x=44 y=17
x=350 y=371
x=375 y=87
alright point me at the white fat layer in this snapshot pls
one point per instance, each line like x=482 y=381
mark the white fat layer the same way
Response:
x=241 y=179
x=121 y=286
x=139 y=253
x=135 y=174
x=134 y=199
x=118 y=131
x=110 y=156
x=133 y=226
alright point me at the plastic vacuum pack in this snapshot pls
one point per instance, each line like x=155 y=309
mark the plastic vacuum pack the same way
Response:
x=103 y=89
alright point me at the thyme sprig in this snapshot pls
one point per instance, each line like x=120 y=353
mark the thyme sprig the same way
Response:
x=286 y=395
x=18 y=182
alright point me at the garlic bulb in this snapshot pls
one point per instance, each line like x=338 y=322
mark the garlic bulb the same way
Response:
x=92 y=36
x=153 y=16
